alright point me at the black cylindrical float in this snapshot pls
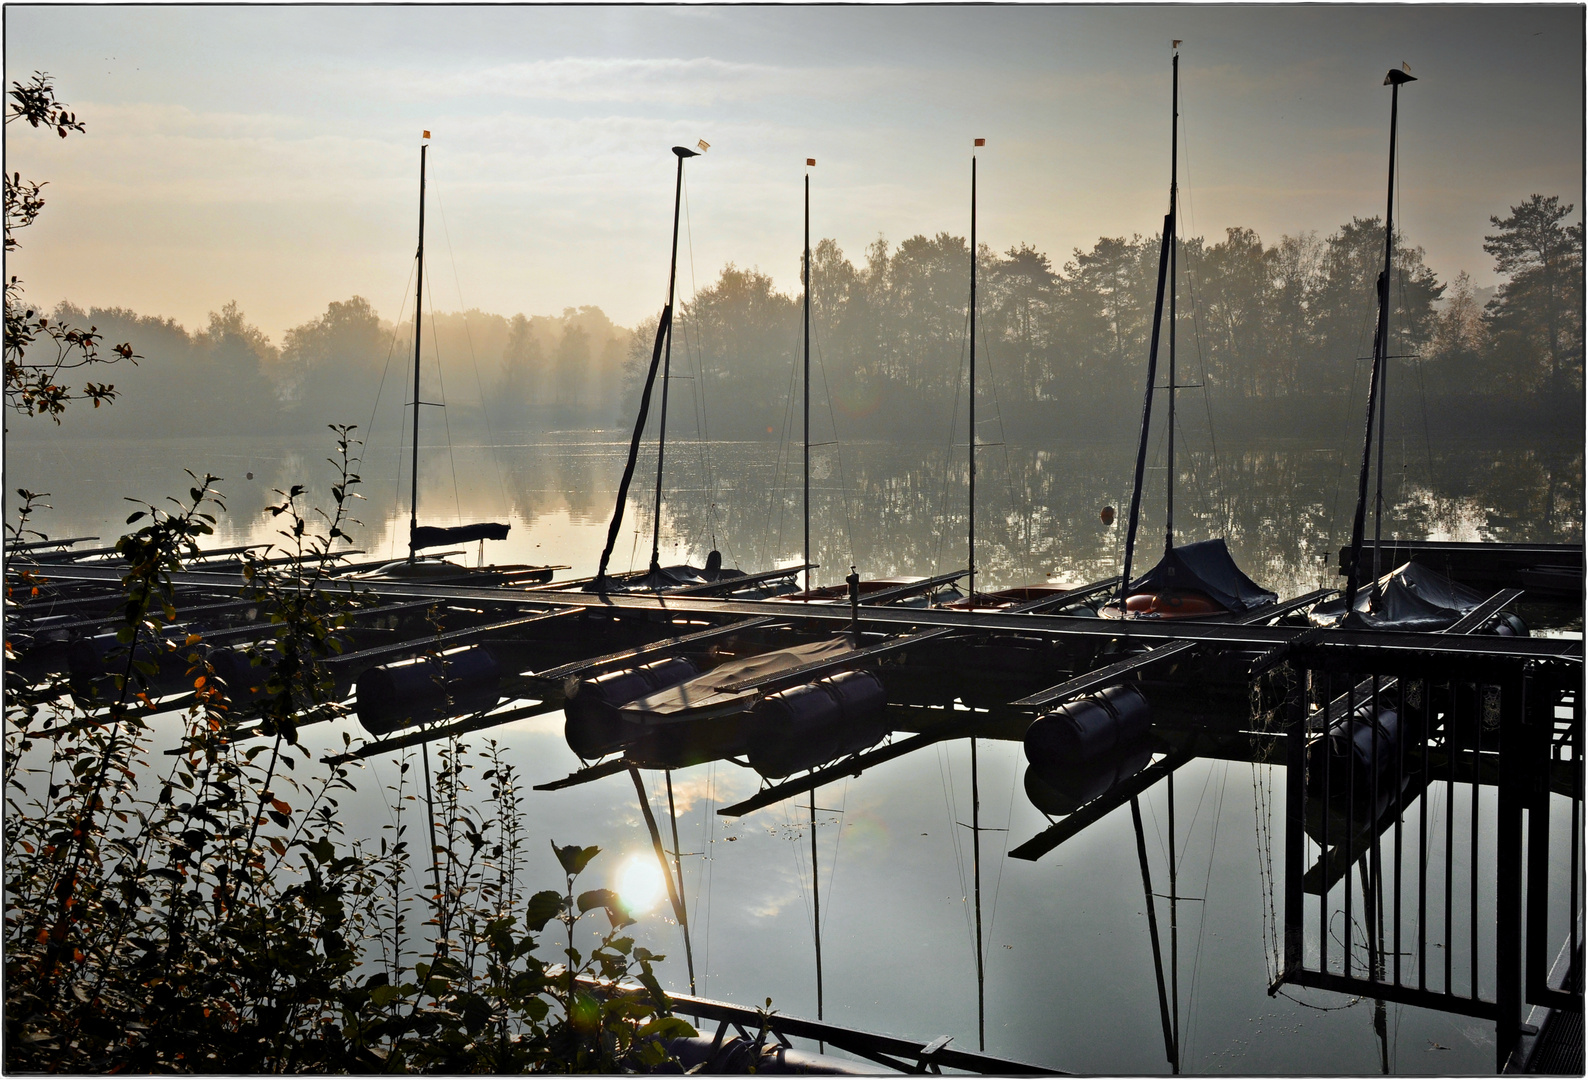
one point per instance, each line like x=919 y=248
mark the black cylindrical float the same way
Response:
x=1067 y=789
x=1084 y=730
x=1363 y=744
x=245 y=680
x=594 y=726
x=428 y=688
x=809 y=725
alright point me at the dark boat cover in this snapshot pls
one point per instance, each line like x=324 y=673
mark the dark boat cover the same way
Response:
x=1205 y=566
x=429 y=536
x=1411 y=597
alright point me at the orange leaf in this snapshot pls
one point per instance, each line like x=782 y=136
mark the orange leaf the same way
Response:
x=279 y=805
x=198 y=682
x=277 y=845
x=193 y=639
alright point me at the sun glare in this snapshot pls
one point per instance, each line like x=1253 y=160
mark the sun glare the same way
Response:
x=640 y=883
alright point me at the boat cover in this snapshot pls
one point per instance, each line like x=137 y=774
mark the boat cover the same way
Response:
x=1410 y=597
x=1205 y=566
x=702 y=696
x=665 y=578
x=429 y=536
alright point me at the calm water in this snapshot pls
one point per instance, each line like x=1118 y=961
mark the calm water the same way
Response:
x=1069 y=967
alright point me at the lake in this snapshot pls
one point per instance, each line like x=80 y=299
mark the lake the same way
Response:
x=1069 y=966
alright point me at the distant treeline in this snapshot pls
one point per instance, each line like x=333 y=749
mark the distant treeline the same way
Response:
x=496 y=374
x=1271 y=332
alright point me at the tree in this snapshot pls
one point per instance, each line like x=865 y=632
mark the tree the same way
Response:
x=1537 y=316
x=32 y=387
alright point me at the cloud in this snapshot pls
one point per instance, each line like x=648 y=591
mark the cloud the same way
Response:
x=671 y=81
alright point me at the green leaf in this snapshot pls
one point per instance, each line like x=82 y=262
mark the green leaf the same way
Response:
x=595 y=898
x=668 y=1027
x=542 y=908
x=574 y=858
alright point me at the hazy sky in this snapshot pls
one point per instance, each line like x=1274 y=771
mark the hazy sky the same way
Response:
x=269 y=155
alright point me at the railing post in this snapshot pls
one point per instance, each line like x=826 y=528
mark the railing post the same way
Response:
x=1508 y=868
x=1295 y=835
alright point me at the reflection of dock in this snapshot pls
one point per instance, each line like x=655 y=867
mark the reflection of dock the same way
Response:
x=1418 y=867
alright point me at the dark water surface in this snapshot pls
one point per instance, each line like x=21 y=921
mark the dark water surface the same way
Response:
x=1070 y=979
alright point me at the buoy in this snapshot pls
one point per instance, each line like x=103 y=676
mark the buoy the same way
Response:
x=810 y=725
x=593 y=726
x=1085 y=730
x=428 y=688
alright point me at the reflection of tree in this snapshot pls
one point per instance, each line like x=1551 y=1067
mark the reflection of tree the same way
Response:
x=899 y=511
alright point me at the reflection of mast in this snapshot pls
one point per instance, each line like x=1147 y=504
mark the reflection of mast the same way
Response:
x=1372 y=870
x=1174 y=913
x=675 y=890
x=1171 y=1041
x=975 y=865
x=816 y=903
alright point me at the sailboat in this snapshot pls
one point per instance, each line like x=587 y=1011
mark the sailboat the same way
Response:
x=1196 y=580
x=1411 y=596
x=428 y=568
x=657 y=578
x=670 y=714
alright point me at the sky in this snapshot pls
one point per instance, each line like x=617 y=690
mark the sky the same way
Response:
x=269 y=155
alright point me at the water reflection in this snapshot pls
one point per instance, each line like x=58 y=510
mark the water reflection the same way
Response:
x=1070 y=958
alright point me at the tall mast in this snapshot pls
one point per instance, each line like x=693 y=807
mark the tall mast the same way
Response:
x=1174 y=201
x=971 y=511
x=806 y=380
x=1164 y=255
x=419 y=292
x=667 y=362
x=1383 y=322
x=1375 y=384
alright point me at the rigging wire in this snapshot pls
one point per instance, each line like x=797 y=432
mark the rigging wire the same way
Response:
x=698 y=358
x=1186 y=196
x=1202 y=922
x=948 y=450
x=998 y=415
x=474 y=362
x=369 y=431
x=778 y=498
x=446 y=421
x=838 y=449
x=945 y=771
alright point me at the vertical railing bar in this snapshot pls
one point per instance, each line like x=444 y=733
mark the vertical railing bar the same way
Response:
x=1400 y=789
x=1451 y=719
x=1472 y=874
x=1375 y=790
x=1536 y=802
x=1576 y=819
x=1422 y=841
x=1295 y=817
x=1350 y=814
x=1323 y=832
